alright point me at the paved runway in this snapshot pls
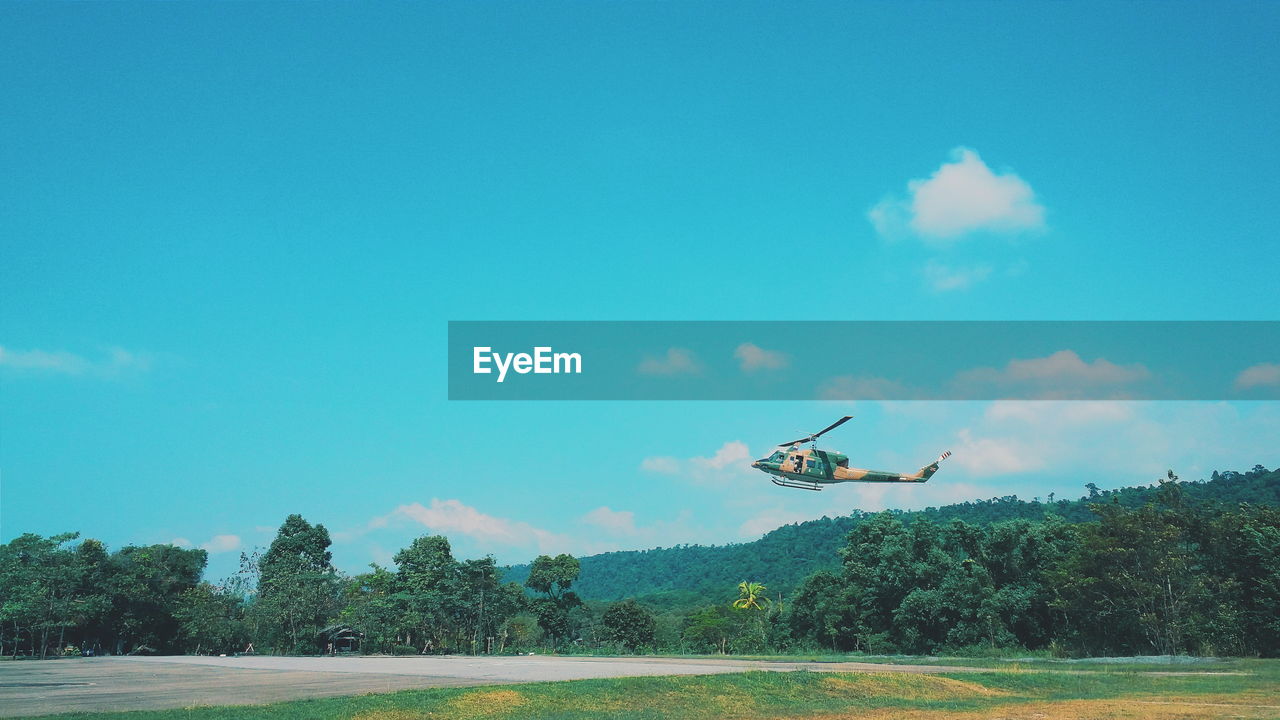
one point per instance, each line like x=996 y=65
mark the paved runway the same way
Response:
x=140 y=683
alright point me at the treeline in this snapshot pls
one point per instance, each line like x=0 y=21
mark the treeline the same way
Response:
x=1165 y=569
x=694 y=575
x=1169 y=577
x=58 y=597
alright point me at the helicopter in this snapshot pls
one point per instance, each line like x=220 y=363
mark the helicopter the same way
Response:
x=811 y=468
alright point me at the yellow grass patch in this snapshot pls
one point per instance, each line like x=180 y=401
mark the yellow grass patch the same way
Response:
x=485 y=703
x=1113 y=709
x=906 y=686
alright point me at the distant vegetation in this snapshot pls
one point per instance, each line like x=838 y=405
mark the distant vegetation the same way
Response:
x=689 y=575
x=1176 y=568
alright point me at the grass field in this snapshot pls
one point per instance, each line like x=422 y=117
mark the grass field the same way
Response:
x=1253 y=691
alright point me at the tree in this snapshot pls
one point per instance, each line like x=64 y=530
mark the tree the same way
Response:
x=553 y=576
x=1134 y=581
x=751 y=596
x=146 y=584
x=711 y=629
x=629 y=624
x=210 y=619
x=37 y=589
x=297 y=587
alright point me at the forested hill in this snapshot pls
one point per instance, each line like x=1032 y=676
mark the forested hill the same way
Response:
x=784 y=557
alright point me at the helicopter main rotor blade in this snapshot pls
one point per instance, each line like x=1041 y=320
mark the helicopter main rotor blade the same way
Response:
x=820 y=433
x=833 y=426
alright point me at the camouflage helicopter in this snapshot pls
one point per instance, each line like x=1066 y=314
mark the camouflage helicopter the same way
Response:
x=811 y=468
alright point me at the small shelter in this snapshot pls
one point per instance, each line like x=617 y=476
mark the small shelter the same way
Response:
x=339 y=639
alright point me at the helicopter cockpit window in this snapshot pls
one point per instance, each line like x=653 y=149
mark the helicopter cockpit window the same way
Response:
x=777 y=457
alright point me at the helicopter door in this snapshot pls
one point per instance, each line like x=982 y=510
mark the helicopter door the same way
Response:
x=797 y=464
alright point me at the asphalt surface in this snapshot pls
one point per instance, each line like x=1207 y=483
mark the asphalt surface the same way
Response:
x=153 y=683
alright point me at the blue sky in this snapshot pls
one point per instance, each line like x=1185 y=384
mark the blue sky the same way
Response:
x=232 y=237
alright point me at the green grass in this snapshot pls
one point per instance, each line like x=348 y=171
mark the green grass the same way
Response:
x=1015 y=659
x=1035 y=693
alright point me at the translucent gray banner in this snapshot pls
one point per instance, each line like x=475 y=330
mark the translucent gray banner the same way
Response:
x=708 y=360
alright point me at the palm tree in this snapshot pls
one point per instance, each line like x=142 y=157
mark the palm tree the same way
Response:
x=751 y=596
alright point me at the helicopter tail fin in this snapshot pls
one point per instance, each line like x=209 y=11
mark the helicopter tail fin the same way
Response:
x=927 y=471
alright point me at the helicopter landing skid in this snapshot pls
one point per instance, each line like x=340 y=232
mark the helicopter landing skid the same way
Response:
x=788 y=483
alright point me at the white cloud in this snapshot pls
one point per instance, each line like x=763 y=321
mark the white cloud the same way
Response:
x=985 y=456
x=960 y=197
x=221 y=544
x=116 y=361
x=677 y=361
x=730 y=454
x=1260 y=375
x=1032 y=438
x=752 y=357
x=1058 y=375
x=453 y=516
x=730 y=460
x=181 y=542
x=945 y=278
x=618 y=522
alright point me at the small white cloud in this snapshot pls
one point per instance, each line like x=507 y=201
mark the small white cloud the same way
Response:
x=662 y=464
x=1260 y=375
x=221 y=544
x=1060 y=374
x=960 y=197
x=752 y=357
x=618 y=522
x=677 y=361
x=730 y=460
x=729 y=455
x=453 y=516
x=180 y=542
x=117 y=361
x=987 y=456
x=945 y=278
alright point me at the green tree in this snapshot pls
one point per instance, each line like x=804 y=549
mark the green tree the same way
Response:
x=1134 y=581
x=210 y=619
x=751 y=596
x=553 y=576
x=146 y=585
x=428 y=576
x=38 y=583
x=298 y=589
x=629 y=624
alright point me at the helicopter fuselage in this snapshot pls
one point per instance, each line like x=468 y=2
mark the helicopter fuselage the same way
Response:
x=807 y=466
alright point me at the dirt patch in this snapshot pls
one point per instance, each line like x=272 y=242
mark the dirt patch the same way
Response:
x=909 y=687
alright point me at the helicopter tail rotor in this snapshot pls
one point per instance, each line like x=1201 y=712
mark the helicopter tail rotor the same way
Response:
x=927 y=471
